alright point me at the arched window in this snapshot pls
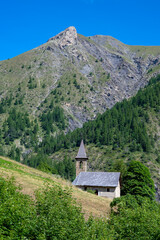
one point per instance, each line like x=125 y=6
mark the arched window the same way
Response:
x=81 y=164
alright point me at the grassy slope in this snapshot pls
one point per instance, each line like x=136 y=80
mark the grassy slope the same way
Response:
x=31 y=179
x=48 y=72
x=143 y=51
x=40 y=64
x=113 y=44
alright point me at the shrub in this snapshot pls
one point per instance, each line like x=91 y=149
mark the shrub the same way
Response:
x=53 y=215
x=17 y=212
x=135 y=218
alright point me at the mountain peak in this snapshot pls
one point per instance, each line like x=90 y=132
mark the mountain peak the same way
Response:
x=65 y=38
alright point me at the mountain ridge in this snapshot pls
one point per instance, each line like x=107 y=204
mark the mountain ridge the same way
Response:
x=108 y=70
x=78 y=76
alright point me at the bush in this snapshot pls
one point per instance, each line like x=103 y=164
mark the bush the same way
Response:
x=91 y=191
x=135 y=218
x=53 y=215
x=58 y=216
x=17 y=212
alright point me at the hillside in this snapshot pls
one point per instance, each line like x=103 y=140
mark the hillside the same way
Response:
x=52 y=213
x=31 y=179
x=64 y=83
x=82 y=75
x=130 y=130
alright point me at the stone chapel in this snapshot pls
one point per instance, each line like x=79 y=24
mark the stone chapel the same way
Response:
x=105 y=184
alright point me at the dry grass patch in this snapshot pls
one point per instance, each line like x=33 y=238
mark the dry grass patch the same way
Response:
x=31 y=179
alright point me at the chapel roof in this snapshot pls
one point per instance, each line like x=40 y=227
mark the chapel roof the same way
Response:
x=98 y=179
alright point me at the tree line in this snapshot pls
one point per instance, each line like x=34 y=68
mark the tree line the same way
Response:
x=125 y=123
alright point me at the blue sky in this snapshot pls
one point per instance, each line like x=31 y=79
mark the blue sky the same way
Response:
x=25 y=25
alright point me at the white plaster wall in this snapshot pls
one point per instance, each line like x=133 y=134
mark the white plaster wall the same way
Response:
x=118 y=191
x=102 y=191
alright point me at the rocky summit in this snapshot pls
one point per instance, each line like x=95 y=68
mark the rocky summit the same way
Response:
x=82 y=75
x=65 y=38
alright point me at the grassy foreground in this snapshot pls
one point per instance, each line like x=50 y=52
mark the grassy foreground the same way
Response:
x=31 y=179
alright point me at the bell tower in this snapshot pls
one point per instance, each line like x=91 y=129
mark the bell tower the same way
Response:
x=81 y=160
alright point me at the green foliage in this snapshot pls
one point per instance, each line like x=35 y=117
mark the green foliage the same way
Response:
x=91 y=191
x=18 y=125
x=158 y=159
x=41 y=162
x=5 y=102
x=15 y=153
x=43 y=85
x=119 y=166
x=137 y=181
x=124 y=124
x=56 y=116
x=65 y=168
x=15 y=125
x=58 y=217
x=76 y=84
x=99 y=229
x=149 y=71
x=32 y=83
x=53 y=215
x=135 y=218
x=17 y=213
x=1 y=109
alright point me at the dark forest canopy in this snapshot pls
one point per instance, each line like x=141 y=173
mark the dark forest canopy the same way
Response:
x=125 y=123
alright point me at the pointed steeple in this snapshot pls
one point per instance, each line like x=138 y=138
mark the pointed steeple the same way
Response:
x=81 y=152
x=81 y=160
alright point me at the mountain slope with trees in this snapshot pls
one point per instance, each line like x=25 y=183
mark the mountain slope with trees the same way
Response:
x=64 y=83
x=130 y=130
x=126 y=123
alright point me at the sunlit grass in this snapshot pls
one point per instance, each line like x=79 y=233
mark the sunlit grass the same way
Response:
x=31 y=179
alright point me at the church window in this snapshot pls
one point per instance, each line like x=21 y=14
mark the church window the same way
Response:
x=81 y=164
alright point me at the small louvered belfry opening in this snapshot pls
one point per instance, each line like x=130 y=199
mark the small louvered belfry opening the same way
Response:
x=81 y=164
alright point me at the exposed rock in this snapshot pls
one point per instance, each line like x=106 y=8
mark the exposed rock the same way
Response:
x=110 y=71
x=65 y=38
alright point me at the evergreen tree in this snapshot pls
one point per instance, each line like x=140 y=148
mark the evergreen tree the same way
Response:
x=137 y=181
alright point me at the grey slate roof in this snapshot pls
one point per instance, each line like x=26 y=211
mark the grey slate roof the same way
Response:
x=98 y=179
x=81 y=152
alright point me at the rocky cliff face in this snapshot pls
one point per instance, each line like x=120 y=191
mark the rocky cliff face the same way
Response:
x=90 y=74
